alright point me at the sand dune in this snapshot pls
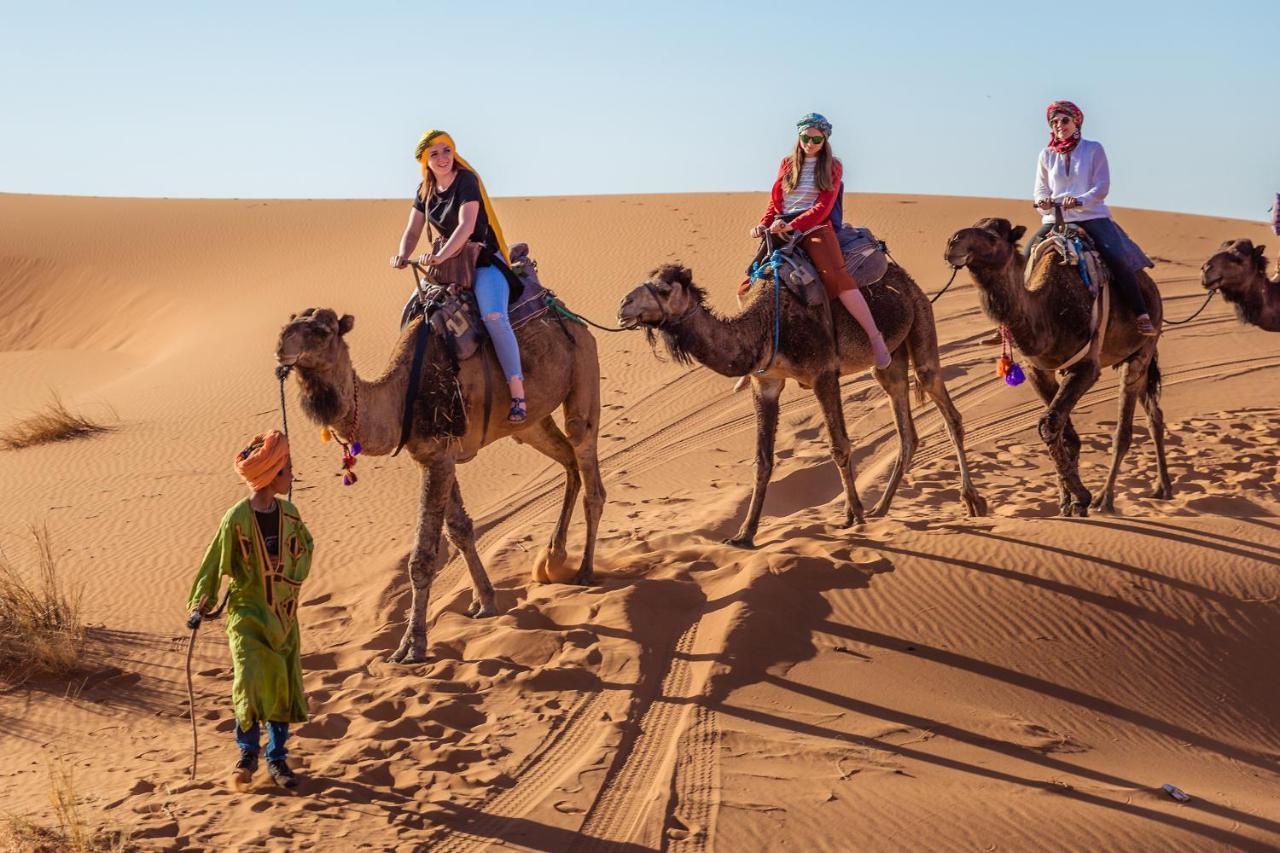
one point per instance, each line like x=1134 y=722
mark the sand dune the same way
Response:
x=927 y=681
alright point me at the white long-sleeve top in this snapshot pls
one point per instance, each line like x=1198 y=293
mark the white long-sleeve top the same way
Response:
x=1088 y=180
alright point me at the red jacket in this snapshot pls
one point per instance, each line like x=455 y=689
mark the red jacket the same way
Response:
x=816 y=215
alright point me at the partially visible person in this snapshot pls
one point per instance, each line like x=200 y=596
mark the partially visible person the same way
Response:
x=805 y=195
x=264 y=550
x=452 y=199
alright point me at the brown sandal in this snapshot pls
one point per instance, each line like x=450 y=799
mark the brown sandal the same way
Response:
x=1146 y=328
x=518 y=414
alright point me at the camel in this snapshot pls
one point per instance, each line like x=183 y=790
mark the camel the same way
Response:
x=1239 y=272
x=561 y=371
x=1050 y=319
x=670 y=303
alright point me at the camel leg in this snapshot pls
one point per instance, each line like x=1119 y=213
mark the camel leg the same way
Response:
x=826 y=388
x=461 y=532
x=1080 y=378
x=1046 y=385
x=582 y=428
x=766 y=391
x=930 y=378
x=1132 y=377
x=425 y=559
x=1149 y=395
x=893 y=379
x=546 y=438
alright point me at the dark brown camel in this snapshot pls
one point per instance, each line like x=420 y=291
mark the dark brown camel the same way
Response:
x=561 y=371
x=1239 y=272
x=672 y=304
x=1050 y=319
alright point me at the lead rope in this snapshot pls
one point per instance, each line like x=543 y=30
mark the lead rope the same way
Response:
x=282 y=373
x=1195 y=315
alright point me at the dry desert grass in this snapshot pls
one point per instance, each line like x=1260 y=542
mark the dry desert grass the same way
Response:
x=54 y=423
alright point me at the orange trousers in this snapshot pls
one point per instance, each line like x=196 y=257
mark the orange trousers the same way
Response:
x=823 y=248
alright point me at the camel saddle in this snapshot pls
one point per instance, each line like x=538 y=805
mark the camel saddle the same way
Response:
x=1073 y=244
x=865 y=258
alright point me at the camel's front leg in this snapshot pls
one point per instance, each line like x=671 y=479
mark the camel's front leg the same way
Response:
x=930 y=379
x=1053 y=424
x=893 y=380
x=424 y=560
x=766 y=391
x=1046 y=385
x=826 y=388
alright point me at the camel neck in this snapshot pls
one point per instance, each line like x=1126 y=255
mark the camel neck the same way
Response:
x=1008 y=302
x=330 y=398
x=729 y=346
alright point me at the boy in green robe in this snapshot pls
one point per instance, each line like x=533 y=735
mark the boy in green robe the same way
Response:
x=265 y=550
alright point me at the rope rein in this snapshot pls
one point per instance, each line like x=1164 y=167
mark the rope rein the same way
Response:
x=1203 y=306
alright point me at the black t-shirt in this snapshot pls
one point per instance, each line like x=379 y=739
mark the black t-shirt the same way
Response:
x=269 y=524
x=445 y=208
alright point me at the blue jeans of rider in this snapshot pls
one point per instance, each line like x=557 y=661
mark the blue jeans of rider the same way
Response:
x=277 y=734
x=1114 y=250
x=491 y=296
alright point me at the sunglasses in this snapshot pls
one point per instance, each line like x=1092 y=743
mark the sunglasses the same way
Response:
x=812 y=140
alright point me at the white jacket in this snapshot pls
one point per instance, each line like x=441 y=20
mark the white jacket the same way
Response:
x=1088 y=181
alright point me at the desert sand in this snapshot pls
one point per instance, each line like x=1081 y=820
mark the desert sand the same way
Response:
x=925 y=682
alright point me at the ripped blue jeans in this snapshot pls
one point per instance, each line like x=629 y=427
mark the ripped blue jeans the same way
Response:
x=491 y=296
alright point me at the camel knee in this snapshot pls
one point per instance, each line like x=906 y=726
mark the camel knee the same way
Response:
x=1051 y=427
x=577 y=430
x=421 y=571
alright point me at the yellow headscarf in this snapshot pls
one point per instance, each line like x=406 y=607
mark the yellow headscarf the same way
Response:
x=431 y=137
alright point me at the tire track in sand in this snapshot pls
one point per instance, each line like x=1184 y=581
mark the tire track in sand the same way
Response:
x=641 y=778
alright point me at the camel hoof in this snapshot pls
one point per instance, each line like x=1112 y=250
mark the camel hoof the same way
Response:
x=1104 y=503
x=855 y=519
x=580 y=579
x=976 y=505
x=880 y=510
x=408 y=653
x=476 y=610
x=551 y=567
x=1163 y=492
x=414 y=656
x=747 y=542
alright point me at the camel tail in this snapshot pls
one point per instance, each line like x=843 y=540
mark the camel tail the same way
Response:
x=1154 y=378
x=922 y=342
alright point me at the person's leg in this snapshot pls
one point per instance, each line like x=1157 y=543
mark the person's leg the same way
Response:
x=491 y=297
x=249 y=743
x=823 y=248
x=251 y=740
x=1039 y=235
x=277 y=735
x=1110 y=245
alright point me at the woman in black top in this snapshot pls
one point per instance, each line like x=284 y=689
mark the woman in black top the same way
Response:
x=452 y=197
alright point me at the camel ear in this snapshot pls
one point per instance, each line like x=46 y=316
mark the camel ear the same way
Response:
x=345 y=324
x=291 y=317
x=684 y=275
x=1259 y=251
x=1016 y=233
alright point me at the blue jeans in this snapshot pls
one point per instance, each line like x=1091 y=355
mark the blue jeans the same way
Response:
x=492 y=294
x=277 y=734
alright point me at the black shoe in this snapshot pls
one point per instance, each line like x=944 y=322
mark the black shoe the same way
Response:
x=281 y=773
x=245 y=767
x=519 y=414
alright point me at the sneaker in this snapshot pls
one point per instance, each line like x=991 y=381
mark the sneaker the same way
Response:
x=1145 y=327
x=245 y=767
x=281 y=773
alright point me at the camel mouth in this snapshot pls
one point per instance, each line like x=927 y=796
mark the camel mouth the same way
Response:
x=1212 y=284
x=287 y=360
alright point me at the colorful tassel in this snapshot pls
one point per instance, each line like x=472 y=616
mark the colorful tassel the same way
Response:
x=1015 y=375
x=325 y=435
x=356 y=448
x=1002 y=366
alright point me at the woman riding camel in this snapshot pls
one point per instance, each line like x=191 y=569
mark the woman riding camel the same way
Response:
x=1073 y=171
x=453 y=200
x=805 y=195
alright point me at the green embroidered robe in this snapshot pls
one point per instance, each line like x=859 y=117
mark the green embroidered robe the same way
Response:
x=262 y=613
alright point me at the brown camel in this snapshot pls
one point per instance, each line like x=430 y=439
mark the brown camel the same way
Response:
x=1050 y=319
x=561 y=371
x=670 y=303
x=1239 y=272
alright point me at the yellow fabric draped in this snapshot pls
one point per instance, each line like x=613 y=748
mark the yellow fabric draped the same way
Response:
x=431 y=137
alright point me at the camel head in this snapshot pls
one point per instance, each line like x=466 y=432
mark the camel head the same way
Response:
x=667 y=295
x=313 y=341
x=990 y=242
x=1234 y=264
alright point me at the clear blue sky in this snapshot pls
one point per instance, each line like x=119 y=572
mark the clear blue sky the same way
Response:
x=293 y=99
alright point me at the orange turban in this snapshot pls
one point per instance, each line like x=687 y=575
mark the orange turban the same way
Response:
x=261 y=461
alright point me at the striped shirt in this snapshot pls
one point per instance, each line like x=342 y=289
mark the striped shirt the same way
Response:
x=805 y=193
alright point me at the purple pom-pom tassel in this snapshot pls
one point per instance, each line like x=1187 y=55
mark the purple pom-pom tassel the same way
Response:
x=346 y=480
x=356 y=448
x=1015 y=376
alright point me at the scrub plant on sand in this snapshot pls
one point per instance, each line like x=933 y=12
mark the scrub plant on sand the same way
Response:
x=562 y=371
x=672 y=305
x=1050 y=317
x=1239 y=272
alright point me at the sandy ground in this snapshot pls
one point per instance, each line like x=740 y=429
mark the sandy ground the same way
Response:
x=927 y=681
